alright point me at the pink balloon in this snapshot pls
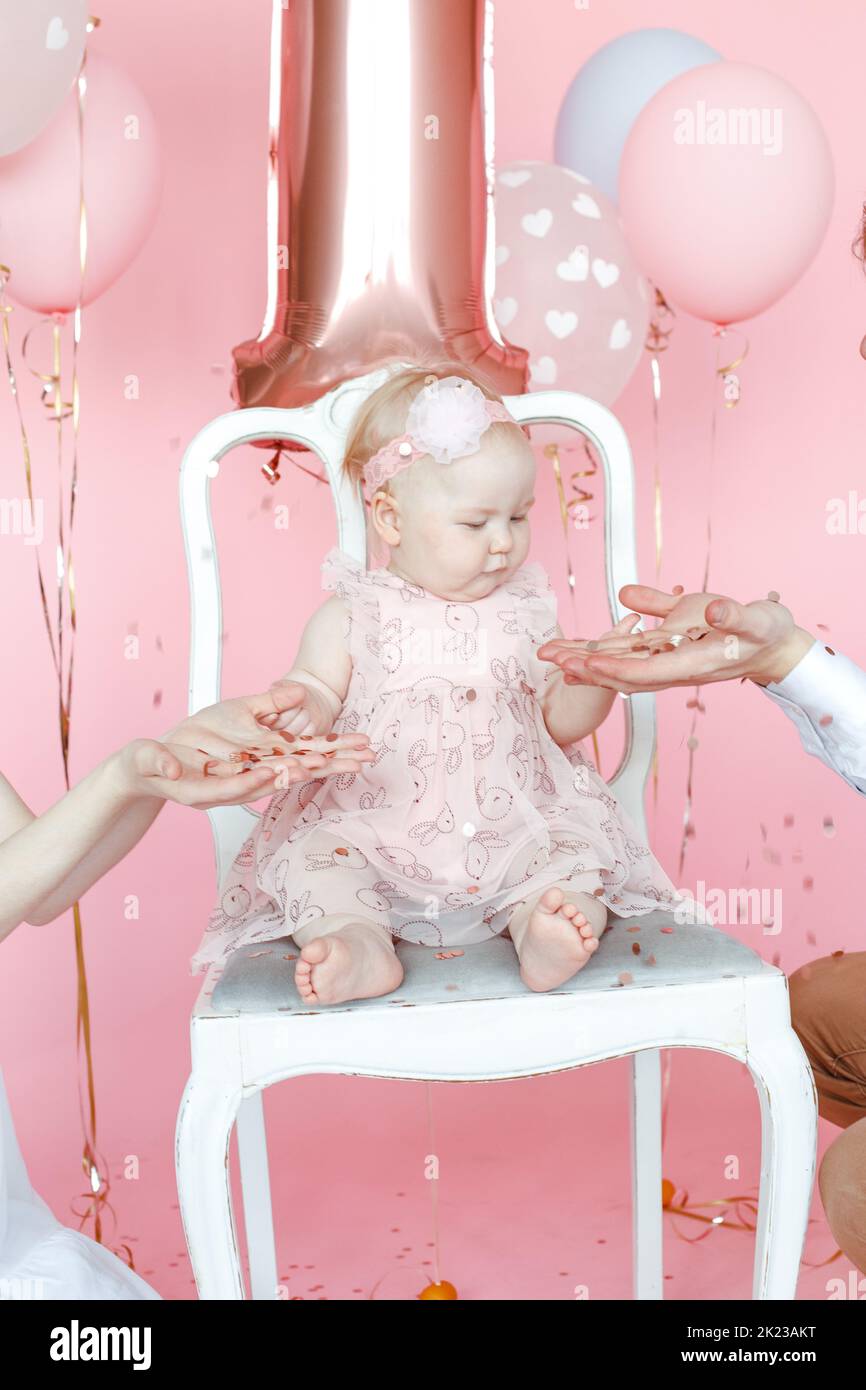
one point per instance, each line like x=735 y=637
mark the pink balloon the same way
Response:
x=726 y=189
x=567 y=287
x=40 y=195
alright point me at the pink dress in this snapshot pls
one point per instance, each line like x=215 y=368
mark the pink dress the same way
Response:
x=470 y=806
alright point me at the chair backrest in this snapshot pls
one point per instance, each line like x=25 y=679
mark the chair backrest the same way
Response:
x=323 y=427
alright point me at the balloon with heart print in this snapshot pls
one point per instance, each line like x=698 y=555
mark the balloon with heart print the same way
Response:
x=41 y=47
x=567 y=287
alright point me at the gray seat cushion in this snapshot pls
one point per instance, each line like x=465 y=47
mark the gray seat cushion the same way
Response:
x=260 y=978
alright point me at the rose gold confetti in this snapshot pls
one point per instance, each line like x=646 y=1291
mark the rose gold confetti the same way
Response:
x=290 y=957
x=452 y=986
x=811 y=938
x=763 y=832
x=157 y=699
x=625 y=977
x=632 y=928
x=797 y=857
x=826 y=720
x=830 y=651
x=837 y=954
x=473 y=888
x=635 y=948
x=666 y=930
x=808 y=883
x=598 y=892
x=777 y=956
x=788 y=822
x=829 y=827
x=341 y=849
x=649 y=960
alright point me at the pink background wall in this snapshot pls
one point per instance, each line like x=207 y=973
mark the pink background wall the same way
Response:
x=522 y=1163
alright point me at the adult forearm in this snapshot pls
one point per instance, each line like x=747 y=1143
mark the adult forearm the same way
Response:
x=49 y=864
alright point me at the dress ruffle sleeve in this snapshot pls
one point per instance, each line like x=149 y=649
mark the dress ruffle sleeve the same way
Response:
x=349 y=580
x=535 y=604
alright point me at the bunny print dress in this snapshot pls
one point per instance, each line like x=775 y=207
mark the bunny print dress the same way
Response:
x=469 y=808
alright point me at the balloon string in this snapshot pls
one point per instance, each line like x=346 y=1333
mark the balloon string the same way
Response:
x=658 y=338
x=95 y=1169
x=697 y=706
x=434 y=1180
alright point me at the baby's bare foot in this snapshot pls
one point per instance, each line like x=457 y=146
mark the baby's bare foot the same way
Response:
x=558 y=942
x=352 y=962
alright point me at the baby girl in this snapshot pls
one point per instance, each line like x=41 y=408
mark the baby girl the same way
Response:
x=477 y=814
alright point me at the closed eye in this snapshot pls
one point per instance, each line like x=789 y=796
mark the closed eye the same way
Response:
x=476 y=525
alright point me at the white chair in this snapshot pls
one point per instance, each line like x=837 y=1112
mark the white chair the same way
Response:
x=706 y=990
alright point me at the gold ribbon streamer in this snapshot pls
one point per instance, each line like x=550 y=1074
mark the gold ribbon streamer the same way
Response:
x=678 y=1204
x=94 y=1166
x=661 y=327
x=720 y=331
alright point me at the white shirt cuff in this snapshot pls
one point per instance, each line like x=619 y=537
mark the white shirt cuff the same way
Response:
x=825 y=696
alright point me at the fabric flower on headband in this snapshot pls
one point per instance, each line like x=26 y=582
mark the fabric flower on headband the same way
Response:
x=446 y=420
x=448 y=417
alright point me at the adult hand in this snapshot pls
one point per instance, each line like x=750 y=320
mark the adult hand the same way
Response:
x=175 y=772
x=720 y=640
x=233 y=727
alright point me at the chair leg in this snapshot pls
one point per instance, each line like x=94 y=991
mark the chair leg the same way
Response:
x=646 y=1174
x=789 y=1137
x=256 y=1189
x=204 y=1126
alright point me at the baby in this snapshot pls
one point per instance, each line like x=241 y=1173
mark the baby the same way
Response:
x=478 y=814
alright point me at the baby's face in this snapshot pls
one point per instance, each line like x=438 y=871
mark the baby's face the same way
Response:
x=464 y=526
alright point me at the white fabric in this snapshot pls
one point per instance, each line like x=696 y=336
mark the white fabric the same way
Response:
x=824 y=682
x=40 y=1258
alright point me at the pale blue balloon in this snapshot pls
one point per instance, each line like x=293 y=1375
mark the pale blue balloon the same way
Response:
x=609 y=92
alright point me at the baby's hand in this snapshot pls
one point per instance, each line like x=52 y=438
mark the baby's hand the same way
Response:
x=302 y=710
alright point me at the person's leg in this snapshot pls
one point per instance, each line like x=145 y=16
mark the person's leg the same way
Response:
x=556 y=931
x=828 y=1014
x=842 y=1183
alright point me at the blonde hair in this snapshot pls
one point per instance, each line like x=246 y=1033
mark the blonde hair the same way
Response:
x=382 y=417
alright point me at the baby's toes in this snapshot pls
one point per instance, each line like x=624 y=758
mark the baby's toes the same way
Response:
x=304 y=977
x=551 y=899
x=569 y=909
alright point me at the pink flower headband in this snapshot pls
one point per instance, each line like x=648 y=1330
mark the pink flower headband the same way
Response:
x=446 y=420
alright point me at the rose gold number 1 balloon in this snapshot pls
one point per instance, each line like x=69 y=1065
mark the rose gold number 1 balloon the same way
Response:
x=380 y=197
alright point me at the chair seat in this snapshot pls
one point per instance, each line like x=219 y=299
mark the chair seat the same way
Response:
x=260 y=978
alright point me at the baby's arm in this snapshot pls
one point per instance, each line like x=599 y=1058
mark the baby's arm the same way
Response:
x=323 y=666
x=572 y=712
